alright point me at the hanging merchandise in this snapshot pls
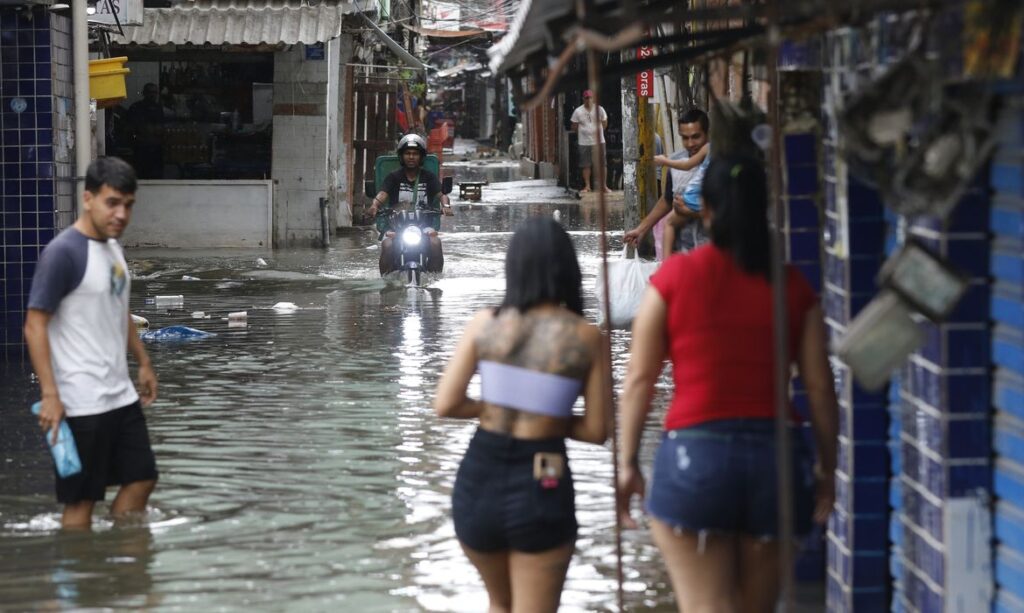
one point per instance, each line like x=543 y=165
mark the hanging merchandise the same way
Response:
x=879 y=340
x=927 y=283
x=935 y=174
x=878 y=120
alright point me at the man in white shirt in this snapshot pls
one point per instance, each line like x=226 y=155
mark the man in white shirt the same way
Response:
x=78 y=332
x=583 y=121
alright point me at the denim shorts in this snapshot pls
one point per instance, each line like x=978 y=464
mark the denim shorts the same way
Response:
x=720 y=477
x=497 y=505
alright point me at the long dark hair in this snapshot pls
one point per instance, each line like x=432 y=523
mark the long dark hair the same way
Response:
x=735 y=189
x=541 y=267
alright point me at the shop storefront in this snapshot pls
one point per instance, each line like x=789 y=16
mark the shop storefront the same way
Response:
x=232 y=122
x=195 y=114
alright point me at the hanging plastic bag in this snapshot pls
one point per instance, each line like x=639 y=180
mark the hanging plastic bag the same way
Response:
x=65 y=452
x=627 y=281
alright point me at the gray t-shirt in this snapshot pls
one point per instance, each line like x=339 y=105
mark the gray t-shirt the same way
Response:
x=84 y=284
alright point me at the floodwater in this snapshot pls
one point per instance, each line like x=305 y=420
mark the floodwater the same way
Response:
x=301 y=465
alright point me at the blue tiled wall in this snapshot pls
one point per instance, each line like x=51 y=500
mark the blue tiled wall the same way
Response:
x=28 y=165
x=803 y=249
x=1006 y=222
x=854 y=230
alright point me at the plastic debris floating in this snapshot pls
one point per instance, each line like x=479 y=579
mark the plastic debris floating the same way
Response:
x=140 y=322
x=285 y=307
x=170 y=302
x=176 y=333
x=261 y=263
x=238 y=319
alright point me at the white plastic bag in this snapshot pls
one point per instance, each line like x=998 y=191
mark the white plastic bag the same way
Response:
x=627 y=282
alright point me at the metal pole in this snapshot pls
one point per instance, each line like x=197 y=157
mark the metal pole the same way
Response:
x=602 y=201
x=645 y=166
x=632 y=213
x=598 y=164
x=783 y=445
x=80 y=64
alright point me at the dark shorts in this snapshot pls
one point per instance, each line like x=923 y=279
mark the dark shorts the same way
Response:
x=497 y=505
x=114 y=449
x=720 y=477
x=586 y=155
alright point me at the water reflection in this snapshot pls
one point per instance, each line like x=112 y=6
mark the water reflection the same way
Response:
x=103 y=569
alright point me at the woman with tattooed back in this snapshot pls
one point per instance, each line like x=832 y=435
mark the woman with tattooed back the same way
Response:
x=513 y=503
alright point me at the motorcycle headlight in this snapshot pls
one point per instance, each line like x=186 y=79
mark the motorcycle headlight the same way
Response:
x=412 y=236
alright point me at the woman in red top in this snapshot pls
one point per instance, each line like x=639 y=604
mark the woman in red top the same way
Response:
x=713 y=493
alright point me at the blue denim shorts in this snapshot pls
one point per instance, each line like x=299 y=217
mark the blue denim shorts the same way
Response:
x=720 y=477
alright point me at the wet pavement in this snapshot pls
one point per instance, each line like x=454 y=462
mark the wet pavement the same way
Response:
x=301 y=465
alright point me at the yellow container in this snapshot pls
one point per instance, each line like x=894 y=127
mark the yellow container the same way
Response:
x=106 y=79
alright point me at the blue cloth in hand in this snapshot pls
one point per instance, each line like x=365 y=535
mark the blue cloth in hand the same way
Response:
x=65 y=453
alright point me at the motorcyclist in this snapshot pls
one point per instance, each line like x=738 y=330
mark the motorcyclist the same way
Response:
x=398 y=190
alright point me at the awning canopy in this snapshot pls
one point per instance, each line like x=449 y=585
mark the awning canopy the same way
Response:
x=250 y=25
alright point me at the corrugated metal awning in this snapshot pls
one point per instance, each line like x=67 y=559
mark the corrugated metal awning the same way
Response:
x=250 y=25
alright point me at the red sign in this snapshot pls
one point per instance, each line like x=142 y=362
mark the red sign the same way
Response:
x=645 y=79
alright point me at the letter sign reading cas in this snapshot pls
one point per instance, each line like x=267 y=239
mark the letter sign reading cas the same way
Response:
x=129 y=12
x=645 y=79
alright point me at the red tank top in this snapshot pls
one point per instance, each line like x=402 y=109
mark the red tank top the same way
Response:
x=720 y=338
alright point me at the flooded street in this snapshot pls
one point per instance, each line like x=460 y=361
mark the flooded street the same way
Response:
x=302 y=467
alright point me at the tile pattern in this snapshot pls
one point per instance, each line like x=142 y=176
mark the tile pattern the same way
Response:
x=800 y=80
x=854 y=237
x=28 y=156
x=1006 y=222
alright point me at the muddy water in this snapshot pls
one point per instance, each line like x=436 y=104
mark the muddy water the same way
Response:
x=301 y=466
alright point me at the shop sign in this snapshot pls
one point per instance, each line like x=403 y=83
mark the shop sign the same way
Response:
x=645 y=79
x=315 y=51
x=129 y=12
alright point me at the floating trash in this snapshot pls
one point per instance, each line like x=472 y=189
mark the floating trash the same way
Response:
x=285 y=307
x=198 y=315
x=176 y=333
x=170 y=302
x=261 y=263
x=238 y=319
x=140 y=322
x=189 y=278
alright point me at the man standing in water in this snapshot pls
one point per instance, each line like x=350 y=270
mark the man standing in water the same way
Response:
x=584 y=121
x=77 y=329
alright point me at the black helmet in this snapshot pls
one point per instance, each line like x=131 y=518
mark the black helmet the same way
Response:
x=414 y=141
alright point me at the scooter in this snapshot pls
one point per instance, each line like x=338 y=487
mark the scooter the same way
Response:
x=409 y=226
x=411 y=242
